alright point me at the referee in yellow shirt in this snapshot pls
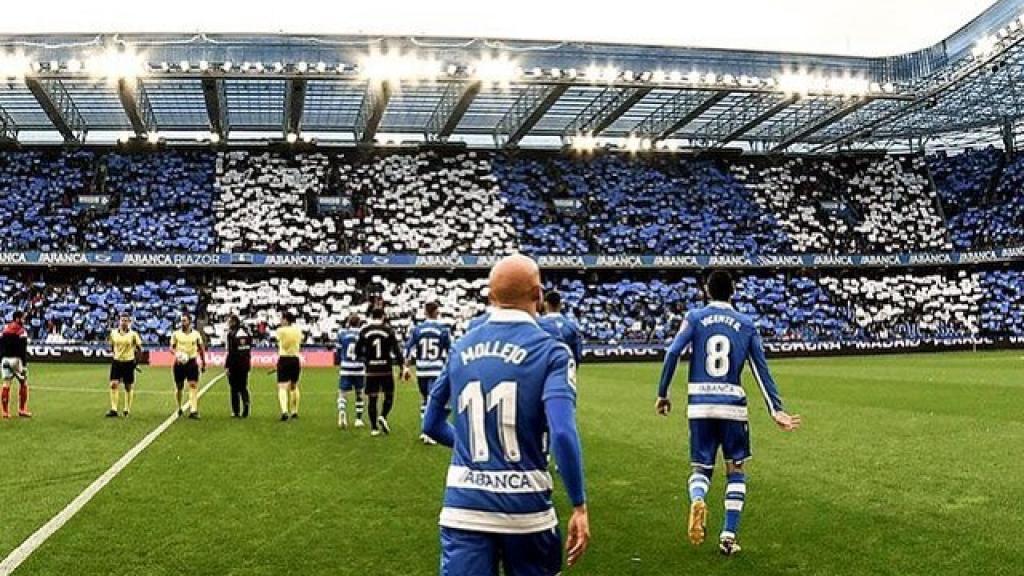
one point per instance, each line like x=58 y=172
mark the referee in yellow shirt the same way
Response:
x=189 y=360
x=289 y=366
x=125 y=344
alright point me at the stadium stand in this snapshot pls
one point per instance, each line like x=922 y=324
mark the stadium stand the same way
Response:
x=84 y=309
x=1002 y=308
x=635 y=206
x=159 y=202
x=38 y=191
x=323 y=305
x=428 y=203
x=869 y=205
x=265 y=201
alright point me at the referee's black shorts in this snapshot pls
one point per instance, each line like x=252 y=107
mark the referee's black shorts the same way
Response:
x=123 y=372
x=187 y=372
x=288 y=369
x=377 y=383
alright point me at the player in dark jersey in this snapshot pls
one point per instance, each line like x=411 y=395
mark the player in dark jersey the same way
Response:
x=14 y=364
x=380 y=352
x=237 y=364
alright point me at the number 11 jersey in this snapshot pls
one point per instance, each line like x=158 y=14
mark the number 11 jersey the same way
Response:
x=496 y=381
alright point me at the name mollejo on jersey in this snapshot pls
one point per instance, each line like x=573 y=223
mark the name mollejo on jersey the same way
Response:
x=507 y=352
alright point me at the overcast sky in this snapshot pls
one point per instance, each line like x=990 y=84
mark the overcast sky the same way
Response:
x=859 y=27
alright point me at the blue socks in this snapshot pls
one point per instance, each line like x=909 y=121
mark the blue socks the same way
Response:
x=735 y=495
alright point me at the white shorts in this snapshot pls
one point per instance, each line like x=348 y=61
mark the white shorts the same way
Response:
x=11 y=368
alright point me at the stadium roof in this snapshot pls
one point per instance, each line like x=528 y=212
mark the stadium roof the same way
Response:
x=359 y=89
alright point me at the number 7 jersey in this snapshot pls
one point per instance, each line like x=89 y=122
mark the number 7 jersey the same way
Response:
x=722 y=340
x=497 y=381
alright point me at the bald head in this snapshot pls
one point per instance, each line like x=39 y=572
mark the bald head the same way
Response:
x=515 y=283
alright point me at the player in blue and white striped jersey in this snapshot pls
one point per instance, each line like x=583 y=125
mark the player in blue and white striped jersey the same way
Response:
x=508 y=381
x=428 y=344
x=722 y=341
x=560 y=326
x=351 y=371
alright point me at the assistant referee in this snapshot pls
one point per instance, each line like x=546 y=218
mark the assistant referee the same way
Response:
x=289 y=366
x=125 y=344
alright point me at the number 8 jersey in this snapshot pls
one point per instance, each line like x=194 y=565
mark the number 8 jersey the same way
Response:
x=497 y=381
x=722 y=340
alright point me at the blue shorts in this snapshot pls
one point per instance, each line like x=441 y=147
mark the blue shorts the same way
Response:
x=707 y=435
x=465 y=553
x=347 y=383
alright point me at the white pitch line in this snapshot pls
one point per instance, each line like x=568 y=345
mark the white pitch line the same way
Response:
x=30 y=545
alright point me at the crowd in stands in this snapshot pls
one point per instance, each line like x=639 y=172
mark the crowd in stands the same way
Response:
x=63 y=309
x=466 y=202
x=322 y=306
x=614 y=309
x=848 y=204
x=983 y=197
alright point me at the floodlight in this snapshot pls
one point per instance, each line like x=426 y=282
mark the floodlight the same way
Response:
x=693 y=77
x=184 y=65
x=658 y=76
x=153 y=138
x=302 y=67
x=226 y=66
x=496 y=70
x=214 y=137
x=292 y=137
x=278 y=67
x=74 y=66
x=321 y=67
x=204 y=65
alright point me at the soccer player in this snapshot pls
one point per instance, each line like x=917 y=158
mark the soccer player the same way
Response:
x=351 y=371
x=289 y=366
x=190 y=359
x=379 y=350
x=125 y=345
x=508 y=382
x=237 y=365
x=561 y=327
x=14 y=365
x=428 y=344
x=722 y=340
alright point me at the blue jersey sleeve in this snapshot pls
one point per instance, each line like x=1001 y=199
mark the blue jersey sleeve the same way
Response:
x=435 y=419
x=672 y=354
x=446 y=341
x=560 y=411
x=765 y=382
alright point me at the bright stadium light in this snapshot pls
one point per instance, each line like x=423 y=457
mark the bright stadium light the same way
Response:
x=658 y=76
x=693 y=77
x=396 y=67
x=153 y=138
x=214 y=138
x=500 y=70
x=292 y=137
x=226 y=66
x=204 y=66
x=278 y=67
x=795 y=83
x=321 y=67
x=583 y=143
x=115 y=64
x=185 y=65
x=302 y=67
x=14 y=66
x=985 y=46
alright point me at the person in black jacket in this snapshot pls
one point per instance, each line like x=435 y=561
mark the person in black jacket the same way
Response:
x=237 y=365
x=380 y=351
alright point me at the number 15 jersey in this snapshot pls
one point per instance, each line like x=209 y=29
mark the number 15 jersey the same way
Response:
x=497 y=380
x=722 y=340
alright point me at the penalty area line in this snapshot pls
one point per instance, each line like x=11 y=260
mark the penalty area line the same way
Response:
x=33 y=542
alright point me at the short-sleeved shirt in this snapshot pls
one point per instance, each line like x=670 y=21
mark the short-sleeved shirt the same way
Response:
x=289 y=341
x=125 y=344
x=187 y=342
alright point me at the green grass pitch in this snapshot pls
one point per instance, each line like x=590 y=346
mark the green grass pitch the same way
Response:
x=907 y=464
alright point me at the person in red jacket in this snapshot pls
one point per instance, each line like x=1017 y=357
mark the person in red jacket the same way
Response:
x=14 y=365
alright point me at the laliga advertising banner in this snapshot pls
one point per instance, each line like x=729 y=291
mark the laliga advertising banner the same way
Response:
x=261 y=358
